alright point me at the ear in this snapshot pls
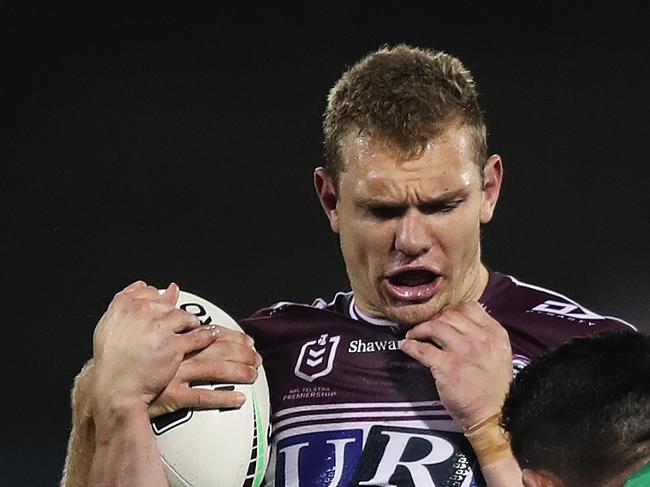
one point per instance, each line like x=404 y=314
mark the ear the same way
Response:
x=492 y=177
x=540 y=478
x=328 y=196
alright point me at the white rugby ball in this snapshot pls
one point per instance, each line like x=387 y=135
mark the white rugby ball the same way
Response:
x=216 y=447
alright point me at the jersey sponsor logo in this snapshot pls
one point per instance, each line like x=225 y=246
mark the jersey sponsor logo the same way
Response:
x=568 y=310
x=326 y=459
x=363 y=346
x=391 y=456
x=316 y=358
x=412 y=457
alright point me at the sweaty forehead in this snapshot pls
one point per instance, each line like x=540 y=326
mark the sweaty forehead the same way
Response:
x=454 y=142
x=402 y=186
x=445 y=164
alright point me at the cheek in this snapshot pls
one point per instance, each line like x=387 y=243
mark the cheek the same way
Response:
x=364 y=243
x=460 y=235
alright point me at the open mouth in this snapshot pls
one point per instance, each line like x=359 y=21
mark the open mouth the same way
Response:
x=412 y=278
x=413 y=285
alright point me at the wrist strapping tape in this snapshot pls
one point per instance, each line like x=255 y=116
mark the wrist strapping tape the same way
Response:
x=489 y=441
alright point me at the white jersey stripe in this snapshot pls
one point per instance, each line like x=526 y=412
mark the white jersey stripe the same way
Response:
x=431 y=424
x=366 y=414
x=357 y=405
x=359 y=315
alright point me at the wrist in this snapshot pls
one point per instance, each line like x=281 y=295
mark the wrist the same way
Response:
x=125 y=452
x=112 y=395
x=115 y=414
x=489 y=440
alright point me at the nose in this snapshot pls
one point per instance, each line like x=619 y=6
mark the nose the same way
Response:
x=411 y=237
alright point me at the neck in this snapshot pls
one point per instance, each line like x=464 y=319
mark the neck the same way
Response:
x=482 y=281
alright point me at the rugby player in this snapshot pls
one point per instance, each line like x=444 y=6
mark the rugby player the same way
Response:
x=399 y=381
x=580 y=414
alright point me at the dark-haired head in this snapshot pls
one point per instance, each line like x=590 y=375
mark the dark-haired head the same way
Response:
x=581 y=413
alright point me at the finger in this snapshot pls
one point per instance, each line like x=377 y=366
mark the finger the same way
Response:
x=460 y=322
x=230 y=352
x=440 y=334
x=170 y=296
x=476 y=312
x=198 y=338
x=125 y=299
x=177 y=320
x=217 y=371
x=152 y=308
x=133 y=286
x=427 y=354
x=200 y=398
x=146 y=292
x=227 y=334
x=122 y=295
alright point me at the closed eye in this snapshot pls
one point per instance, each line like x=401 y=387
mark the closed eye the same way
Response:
x=439 y=207
x=385 y=212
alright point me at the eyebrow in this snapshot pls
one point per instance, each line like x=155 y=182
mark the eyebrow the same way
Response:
x=442 y=199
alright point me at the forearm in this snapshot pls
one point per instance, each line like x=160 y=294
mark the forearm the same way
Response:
x=81 y=444
x=502 y=473
x=126 y=452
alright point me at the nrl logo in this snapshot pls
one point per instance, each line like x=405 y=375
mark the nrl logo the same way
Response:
x=316 y=358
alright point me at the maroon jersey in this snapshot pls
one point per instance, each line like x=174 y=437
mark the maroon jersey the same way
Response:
x=351 y=409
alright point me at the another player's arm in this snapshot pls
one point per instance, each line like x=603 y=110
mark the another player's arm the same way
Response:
x=126 y=452
x=138 y=346
x=81 y=444
x=469 y=355
x=122 y=451
x=142 y=331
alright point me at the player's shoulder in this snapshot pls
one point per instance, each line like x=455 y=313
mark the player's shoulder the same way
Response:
x=287 y=321
x=282 y=316
x=339 y=304
x=521 y=300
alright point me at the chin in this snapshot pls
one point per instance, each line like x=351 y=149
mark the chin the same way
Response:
x=409 y=315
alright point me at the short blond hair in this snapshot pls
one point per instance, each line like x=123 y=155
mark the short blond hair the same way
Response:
x=403 y=96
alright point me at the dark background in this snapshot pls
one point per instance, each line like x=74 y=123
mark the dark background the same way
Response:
x=178 y=142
